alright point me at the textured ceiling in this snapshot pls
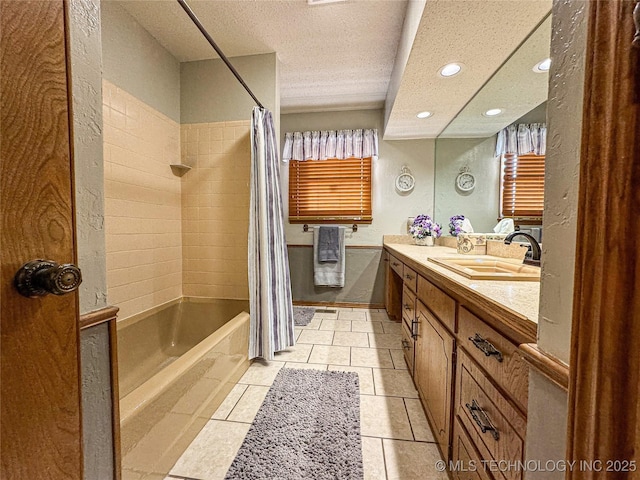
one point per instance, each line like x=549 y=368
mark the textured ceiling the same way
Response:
x=515 y=88
x=479 y=34
x=340 y=56
x=332 y=56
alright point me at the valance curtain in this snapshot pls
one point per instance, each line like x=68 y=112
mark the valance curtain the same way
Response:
x=522 y=139
x=322 y=145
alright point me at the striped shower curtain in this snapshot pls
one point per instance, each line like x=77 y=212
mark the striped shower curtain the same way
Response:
x=270 y=305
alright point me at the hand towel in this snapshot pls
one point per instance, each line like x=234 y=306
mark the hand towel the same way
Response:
x=328 y=244
x=505 y=225
x=329 y=274
x=466 y=226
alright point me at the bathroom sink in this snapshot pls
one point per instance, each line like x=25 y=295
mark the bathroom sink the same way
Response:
x=489 y=268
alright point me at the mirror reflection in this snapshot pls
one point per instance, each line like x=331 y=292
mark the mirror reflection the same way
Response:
x=471 y=169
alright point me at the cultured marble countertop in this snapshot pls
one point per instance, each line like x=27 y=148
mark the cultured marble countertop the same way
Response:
x=517 y=299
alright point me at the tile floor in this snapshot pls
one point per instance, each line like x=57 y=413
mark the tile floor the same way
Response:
x=397 y=442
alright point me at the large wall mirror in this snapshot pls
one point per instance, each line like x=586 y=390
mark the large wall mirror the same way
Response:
x=519 y=90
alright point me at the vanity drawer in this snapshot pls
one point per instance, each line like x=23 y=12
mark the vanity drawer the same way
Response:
x=408 y=305
x=480 y=406
x=396 y=265
x=441 y=304
x=465 y=457
x=410 y=278
x=512 y=373
x=408 y=346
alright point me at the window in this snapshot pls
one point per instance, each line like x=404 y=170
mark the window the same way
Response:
x=522 y=185
x=330 y=190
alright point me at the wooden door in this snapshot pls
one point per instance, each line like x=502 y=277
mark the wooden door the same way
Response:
x=39 y=360
x=604 y=398
x=434 y=374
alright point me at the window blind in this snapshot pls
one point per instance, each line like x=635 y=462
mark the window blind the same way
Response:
x=522 y=185
x=330 y=191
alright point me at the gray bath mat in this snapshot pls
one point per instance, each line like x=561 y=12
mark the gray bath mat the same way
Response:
x=303 y=315
x=307 y=428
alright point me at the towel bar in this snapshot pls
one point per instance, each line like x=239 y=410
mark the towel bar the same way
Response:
x=354 y=227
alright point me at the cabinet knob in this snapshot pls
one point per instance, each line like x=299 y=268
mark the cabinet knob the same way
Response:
x=38 y=278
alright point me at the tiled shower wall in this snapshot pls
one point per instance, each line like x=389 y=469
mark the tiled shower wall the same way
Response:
x=142 y=203
x=215 y=209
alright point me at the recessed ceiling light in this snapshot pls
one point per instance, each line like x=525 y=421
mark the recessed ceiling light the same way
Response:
x=424 y=114
x=543 y=66
x=493 y=112
x=450 y=70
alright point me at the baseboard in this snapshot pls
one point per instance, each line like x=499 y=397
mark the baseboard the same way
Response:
x=339 y=304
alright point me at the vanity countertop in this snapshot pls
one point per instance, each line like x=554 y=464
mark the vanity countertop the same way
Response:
x=516 y=302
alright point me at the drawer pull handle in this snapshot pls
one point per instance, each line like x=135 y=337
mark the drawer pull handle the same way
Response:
x=408 y=277
x=407 y=306
x=405 y=344
x=486 y=347
x=414 y=330
x=395 y=264
x=482 y=419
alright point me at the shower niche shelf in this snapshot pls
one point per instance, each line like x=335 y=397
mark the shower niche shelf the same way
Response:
x=179 y=169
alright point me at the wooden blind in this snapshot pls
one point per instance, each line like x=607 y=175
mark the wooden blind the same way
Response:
x=330 y=190
x=522 y=185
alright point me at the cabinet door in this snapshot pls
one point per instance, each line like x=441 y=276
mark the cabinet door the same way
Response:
x=434 y=374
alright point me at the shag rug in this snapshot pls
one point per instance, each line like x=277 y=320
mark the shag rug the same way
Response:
x=303 y=315
x=307 y=428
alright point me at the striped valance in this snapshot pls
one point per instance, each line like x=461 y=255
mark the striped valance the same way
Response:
x=325 y=144
x=522 y=139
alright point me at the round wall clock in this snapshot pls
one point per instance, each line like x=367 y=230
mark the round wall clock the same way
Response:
x=465 y=181
x=405 y=181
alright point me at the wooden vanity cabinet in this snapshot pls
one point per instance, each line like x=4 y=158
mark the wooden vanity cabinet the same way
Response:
x=494 y=425
x=393 y=287
x=434 y=369
x=464 y=456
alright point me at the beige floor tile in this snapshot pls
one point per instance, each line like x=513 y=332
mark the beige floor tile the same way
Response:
x=229 y=402
x=351 y=339
x=298 y=353
x=210 y=455
x=378 y=317
x=316 y=337
x=343 y=309
x=419 y=424
x=306 y=366
x=364 y=375
x=399 y=362
x=249 y=404
x=336 y=325
x=330 y=355
x=298 y=332
x=385 y=340
x=355 y=315
x=373 y=459
x=312 y=325
x=326 y=316
x=392 y=327
x=412 y=460
x=384 y=417
x=261 y=372
x=395 y=383
x=371 y=357
x=367 y=327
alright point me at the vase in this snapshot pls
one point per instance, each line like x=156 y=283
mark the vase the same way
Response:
x=426 y=241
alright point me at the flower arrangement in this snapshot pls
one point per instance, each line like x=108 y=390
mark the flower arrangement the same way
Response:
x=423 y=227
x=455 y=225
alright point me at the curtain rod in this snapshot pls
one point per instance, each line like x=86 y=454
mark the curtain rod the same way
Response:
x=224 y=58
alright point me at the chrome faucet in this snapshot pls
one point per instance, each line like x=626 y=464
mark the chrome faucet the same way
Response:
x=533 y=255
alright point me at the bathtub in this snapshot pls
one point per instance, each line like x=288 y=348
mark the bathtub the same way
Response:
x=176 y=363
